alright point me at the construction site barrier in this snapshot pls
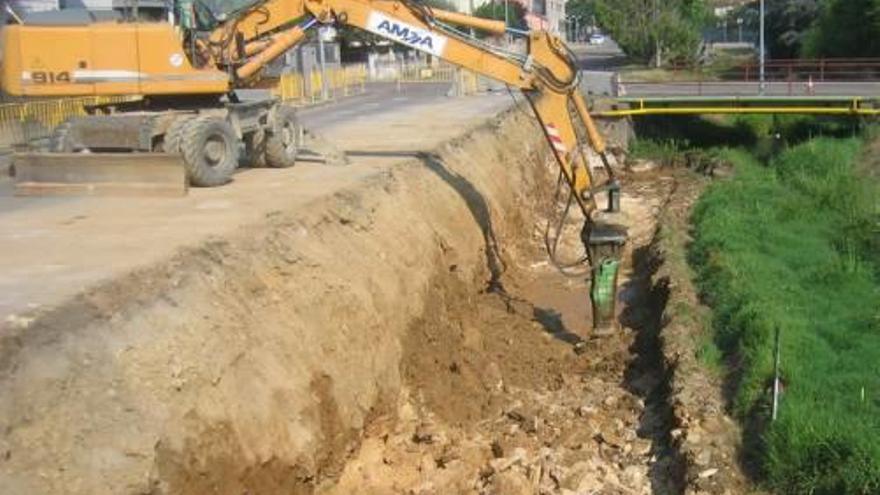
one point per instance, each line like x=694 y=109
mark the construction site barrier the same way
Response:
x=24 y=122
x=297 y=88
x=464 y=81
x=467 y=81
x=305 y=89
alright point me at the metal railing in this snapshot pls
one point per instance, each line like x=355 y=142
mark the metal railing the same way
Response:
x=464 y=82
x=305 y=89
x=24 y=122
x=819 y=70
x=311 y=88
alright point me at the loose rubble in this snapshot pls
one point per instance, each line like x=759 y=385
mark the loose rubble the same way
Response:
x=557 y=415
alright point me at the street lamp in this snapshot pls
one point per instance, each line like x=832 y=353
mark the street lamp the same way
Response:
x=761 y=69
x=739 y=23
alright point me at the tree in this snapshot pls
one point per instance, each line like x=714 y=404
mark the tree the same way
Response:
x=823 y=28
x=585 y=9
x=845 y=28
x=654 y=28
x=787 y=24
x=516 y=13
x=582 y=10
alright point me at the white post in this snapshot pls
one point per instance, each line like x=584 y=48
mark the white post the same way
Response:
x=776 y=385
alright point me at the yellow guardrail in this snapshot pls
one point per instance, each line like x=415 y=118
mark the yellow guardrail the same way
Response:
x=411 y=74
x=23 y=122
x=466 y=82
x=341 y=81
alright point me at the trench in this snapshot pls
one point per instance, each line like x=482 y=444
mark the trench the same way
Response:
x=508 y=391
x=432 y=349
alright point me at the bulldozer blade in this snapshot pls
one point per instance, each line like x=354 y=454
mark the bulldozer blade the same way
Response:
x=99 y=174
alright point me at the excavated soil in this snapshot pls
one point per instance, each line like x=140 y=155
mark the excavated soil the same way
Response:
x=506 y=390
x=404 y=336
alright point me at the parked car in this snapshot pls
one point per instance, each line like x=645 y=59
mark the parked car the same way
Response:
x=597 y=39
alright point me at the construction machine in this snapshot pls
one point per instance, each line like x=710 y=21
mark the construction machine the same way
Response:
x=187 y=70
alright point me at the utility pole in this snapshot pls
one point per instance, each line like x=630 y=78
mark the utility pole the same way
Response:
x=761 y=69
x=325 y=93
x=506 y=23
x=658 y=61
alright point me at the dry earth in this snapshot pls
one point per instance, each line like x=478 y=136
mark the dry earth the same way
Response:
x=404 y=335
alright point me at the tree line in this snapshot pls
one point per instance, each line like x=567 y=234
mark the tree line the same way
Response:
x=669 y=30
x=659 y=30
x=823 y=28
x=816 y=28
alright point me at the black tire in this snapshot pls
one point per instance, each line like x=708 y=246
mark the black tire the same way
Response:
x=282 y=140
x=174 y=134
x=210 y=151
x=255 y=149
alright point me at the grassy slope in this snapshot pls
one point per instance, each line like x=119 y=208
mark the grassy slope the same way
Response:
x=788 y=247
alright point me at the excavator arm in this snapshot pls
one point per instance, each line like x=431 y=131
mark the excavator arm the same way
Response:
x=546 y=75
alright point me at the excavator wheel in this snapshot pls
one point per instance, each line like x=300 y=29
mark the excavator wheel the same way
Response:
x=282 y=145
x=210 y=151
x=255 y=148
x=174 y=133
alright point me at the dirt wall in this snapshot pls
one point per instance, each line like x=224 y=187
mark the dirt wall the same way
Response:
x=251 y=363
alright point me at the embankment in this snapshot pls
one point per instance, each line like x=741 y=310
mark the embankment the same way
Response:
x=251 y=363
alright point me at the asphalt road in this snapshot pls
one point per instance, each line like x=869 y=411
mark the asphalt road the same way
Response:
x=379 y=98
x=605 y=57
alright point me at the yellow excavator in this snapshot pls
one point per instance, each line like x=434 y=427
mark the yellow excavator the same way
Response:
x=187 y=70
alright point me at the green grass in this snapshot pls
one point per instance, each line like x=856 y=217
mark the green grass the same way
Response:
x=790 y=242
x=789 y=245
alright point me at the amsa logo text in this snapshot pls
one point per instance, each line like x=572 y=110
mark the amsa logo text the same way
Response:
x=401 y=32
